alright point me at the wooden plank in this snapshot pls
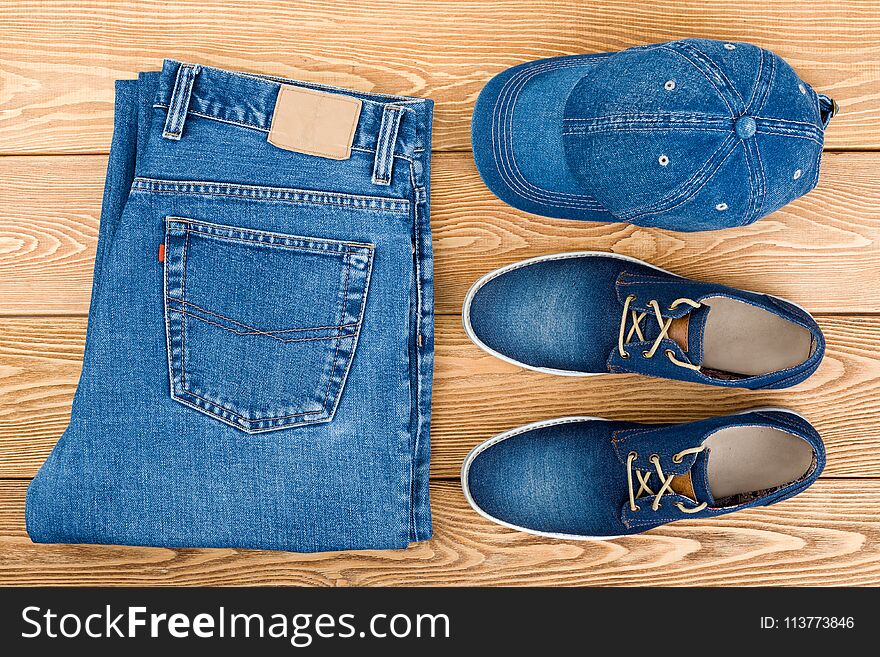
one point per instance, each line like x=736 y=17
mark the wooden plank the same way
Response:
x=40 y=363
x=828 y=535
x=822 y=251
x=60 y=58
x=477 y=395
x=49 y=211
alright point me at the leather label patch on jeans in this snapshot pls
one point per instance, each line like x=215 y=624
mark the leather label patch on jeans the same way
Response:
x=314 y=122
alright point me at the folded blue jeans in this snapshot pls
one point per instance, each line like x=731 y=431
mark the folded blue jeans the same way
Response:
x=259 y=352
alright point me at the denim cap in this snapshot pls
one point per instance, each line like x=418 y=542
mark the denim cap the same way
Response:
x=687 y=135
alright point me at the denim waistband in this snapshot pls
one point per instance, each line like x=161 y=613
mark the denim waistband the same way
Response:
x=248 y=100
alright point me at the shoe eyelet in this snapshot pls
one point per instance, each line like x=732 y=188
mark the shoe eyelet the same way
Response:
x=645 y=354
x=654 y=457
x=676 y=458
x=669 y=352
x=631 y=297
x=634 y=455
x=637 y=509
x=624 y=355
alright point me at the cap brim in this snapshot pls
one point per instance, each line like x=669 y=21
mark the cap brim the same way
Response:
x=516 y=135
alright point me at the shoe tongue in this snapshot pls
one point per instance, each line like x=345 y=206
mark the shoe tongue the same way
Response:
x=687 y=332
x=695 y=483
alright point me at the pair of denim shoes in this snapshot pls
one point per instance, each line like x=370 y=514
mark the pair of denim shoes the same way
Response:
x=687 y=135
x=587 y=313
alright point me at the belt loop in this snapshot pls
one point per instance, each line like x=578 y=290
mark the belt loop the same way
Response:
x=179 y=102
x=383 y=164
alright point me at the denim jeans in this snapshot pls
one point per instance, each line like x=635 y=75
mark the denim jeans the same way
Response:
x=259 y=352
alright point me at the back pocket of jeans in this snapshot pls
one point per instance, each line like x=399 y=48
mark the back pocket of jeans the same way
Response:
x=261 y=327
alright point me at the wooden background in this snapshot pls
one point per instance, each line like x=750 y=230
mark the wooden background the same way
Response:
x=58 y=61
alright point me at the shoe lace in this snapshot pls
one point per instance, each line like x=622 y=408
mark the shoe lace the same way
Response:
x=624 y=337
x=665 y=481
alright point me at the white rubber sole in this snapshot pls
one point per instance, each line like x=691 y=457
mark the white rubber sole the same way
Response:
x=469 y=297
x=479 y=449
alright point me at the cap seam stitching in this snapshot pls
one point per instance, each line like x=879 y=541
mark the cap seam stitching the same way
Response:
x=517 y=183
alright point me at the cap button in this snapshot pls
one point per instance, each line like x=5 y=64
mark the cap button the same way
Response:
x=745 y=127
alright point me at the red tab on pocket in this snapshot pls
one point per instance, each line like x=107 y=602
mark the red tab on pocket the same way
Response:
x=162 y=252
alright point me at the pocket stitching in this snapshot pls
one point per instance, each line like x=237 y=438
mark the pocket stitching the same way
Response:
x=356 y=336
x=248 y=420
x=220 y=232
x=342 y=318
x=183 y=317
x=269 y=244
x=252 y=330
x=226 y=408
x=347 y=250
x=269 y=335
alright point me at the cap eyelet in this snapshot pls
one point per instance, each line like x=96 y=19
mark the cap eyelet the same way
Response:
x=670 y=85
x=663 y=160
x=729 y=46
x=721 y=207
x=797 y=174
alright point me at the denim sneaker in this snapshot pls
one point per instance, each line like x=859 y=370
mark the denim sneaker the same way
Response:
x=687 y=135
x=583 y=477
x=587 y=313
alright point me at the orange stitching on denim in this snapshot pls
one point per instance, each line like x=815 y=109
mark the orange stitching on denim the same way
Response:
x=225 y=328
x=182 y=317
x=246 y=419
x=342 y=318
x=219 y=409
x=209 y=228
x=254 y=330
x=307 y=197
x=348 y=248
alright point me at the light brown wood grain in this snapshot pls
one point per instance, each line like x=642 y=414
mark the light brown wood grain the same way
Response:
x=59 y=59
x=823 y=251
x=828 y=535
x=477 y=395
x=49 y=212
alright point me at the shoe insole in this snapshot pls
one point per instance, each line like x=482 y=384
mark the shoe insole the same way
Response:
x=750 y=459
x=744 y=339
